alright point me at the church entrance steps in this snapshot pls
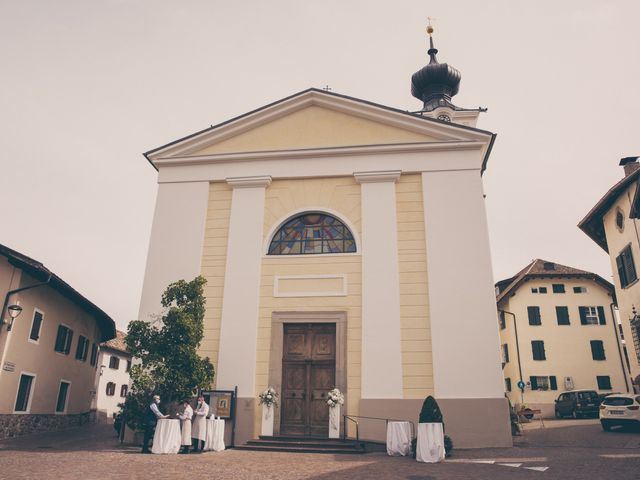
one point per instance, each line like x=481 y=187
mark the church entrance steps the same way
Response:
x=303 y=445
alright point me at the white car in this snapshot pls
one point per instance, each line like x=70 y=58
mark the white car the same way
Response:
x=620 y=409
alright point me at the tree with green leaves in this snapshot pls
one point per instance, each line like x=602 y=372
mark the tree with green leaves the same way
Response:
x=169 y=364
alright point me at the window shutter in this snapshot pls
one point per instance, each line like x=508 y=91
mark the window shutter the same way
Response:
x=583 y=315
x=621 y=271
x=553 y=382
x=629 y=267
x=534 y=383
x=562 y=313
x=35 y=328
x=60 y=337
x=67 y=347
x=534 y=315
x=601 y=318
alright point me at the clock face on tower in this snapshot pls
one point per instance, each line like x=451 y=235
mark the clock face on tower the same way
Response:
x=444 y=117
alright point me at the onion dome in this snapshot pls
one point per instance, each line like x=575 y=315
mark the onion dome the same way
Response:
x=435 y=83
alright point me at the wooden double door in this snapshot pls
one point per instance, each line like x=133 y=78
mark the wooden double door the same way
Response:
x=308 y=373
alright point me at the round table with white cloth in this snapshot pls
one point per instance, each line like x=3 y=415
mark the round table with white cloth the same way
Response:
x=430 y=445
x=399 y=438
x=215 y=435
x=167 y=436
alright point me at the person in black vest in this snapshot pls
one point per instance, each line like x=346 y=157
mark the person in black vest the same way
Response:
x=151 y=416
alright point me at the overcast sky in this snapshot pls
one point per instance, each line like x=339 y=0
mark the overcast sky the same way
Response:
x=87 y=86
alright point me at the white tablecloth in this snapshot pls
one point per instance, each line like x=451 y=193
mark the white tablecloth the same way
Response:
x=167 y=436
x=215 y=435
x=398 y=438
x=430 y=447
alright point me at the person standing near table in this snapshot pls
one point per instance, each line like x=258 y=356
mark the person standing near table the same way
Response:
x=199 y=428
x=152 y=414
x=185 y=425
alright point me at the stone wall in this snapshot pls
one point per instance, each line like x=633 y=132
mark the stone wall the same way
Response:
x=15 y=425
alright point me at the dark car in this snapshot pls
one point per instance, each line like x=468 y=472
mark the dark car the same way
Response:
x=578 y=404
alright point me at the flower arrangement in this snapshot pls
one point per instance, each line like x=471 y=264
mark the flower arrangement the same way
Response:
x=269 y=397
x=335 y=398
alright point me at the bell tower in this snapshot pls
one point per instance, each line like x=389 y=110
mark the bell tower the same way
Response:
x=435 y=84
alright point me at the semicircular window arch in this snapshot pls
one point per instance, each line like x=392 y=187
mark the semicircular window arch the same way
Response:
x=312 y=233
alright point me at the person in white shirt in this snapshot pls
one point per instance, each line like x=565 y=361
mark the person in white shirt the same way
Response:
x=199 y=428
x=185 y=426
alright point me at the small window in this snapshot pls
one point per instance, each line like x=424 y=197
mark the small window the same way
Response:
x=123 y=390
x=312 y=233
x=537 y=348
x=534 y=290
x=128 y=366
x=94 y=355
x=604 y=382
x=542 y=289
x=507 y=384
x=505 y=353
x=36 y=325
x=82 y=349
x=534 y=315
x=592 y=315
x=620 y=220
x=114 y=362
x=562 y=314
x=626 y=267
x=63 y=393
x=557 y=287
x=111 y=389
x=23 y=399
x=579 y=289
x=597 y=350
x=539 y=383
x=63 y=339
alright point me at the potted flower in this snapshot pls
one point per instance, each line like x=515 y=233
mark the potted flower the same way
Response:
x=268 y=400
x=335 y=398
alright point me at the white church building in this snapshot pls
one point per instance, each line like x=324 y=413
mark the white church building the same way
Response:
x=345 y=245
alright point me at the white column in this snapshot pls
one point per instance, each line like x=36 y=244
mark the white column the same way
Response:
x=464 y=330
x=381 y=350
x=239 y=327
x=175 y=246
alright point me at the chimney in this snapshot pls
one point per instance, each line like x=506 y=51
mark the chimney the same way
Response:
x=630 y=165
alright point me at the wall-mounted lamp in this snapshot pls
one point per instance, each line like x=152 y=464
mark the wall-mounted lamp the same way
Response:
x=14 y=312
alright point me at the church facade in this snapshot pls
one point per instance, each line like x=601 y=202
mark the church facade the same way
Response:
x=345 y=245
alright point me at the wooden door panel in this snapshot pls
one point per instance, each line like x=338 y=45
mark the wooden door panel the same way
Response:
x=308 y=373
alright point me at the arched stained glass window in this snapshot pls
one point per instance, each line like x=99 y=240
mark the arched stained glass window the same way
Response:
x=312 y=233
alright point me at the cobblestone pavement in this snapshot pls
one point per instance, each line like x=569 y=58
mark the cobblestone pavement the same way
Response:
x=578 y=450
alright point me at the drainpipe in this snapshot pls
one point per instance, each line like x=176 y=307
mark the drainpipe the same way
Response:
x=515 y=327
x=615 y=330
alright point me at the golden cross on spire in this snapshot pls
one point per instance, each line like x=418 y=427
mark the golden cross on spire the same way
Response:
x=429 y=26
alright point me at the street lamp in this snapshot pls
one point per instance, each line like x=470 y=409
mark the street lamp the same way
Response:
x=14 y=312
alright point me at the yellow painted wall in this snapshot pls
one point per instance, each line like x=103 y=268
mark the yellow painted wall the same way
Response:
x=314 y=127
x=214 y=258
x=417 y=366
x=341 y=195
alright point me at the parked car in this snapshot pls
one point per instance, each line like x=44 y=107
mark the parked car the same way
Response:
x=577 y=404
x=621 y=409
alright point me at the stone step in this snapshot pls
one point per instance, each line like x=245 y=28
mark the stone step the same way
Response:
x=305 y=443
x=294 y=449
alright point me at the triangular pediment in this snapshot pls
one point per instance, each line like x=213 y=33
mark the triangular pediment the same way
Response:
x=315 y=120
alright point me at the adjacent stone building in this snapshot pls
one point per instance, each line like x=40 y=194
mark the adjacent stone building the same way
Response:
x=613 y=225
x=558 y=332
x=333 y=233
x=112 y=382
x=49 y=352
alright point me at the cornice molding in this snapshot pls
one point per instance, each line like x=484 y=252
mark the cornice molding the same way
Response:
x=249 y=182
x=377 y=177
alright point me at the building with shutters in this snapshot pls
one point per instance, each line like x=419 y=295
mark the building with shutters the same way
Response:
x=112 y=377
x=49 y=353
x=613 y=225
x=558 y=332
x=328 y=229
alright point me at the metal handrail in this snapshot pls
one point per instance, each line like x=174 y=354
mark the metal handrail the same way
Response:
x=386 y=420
